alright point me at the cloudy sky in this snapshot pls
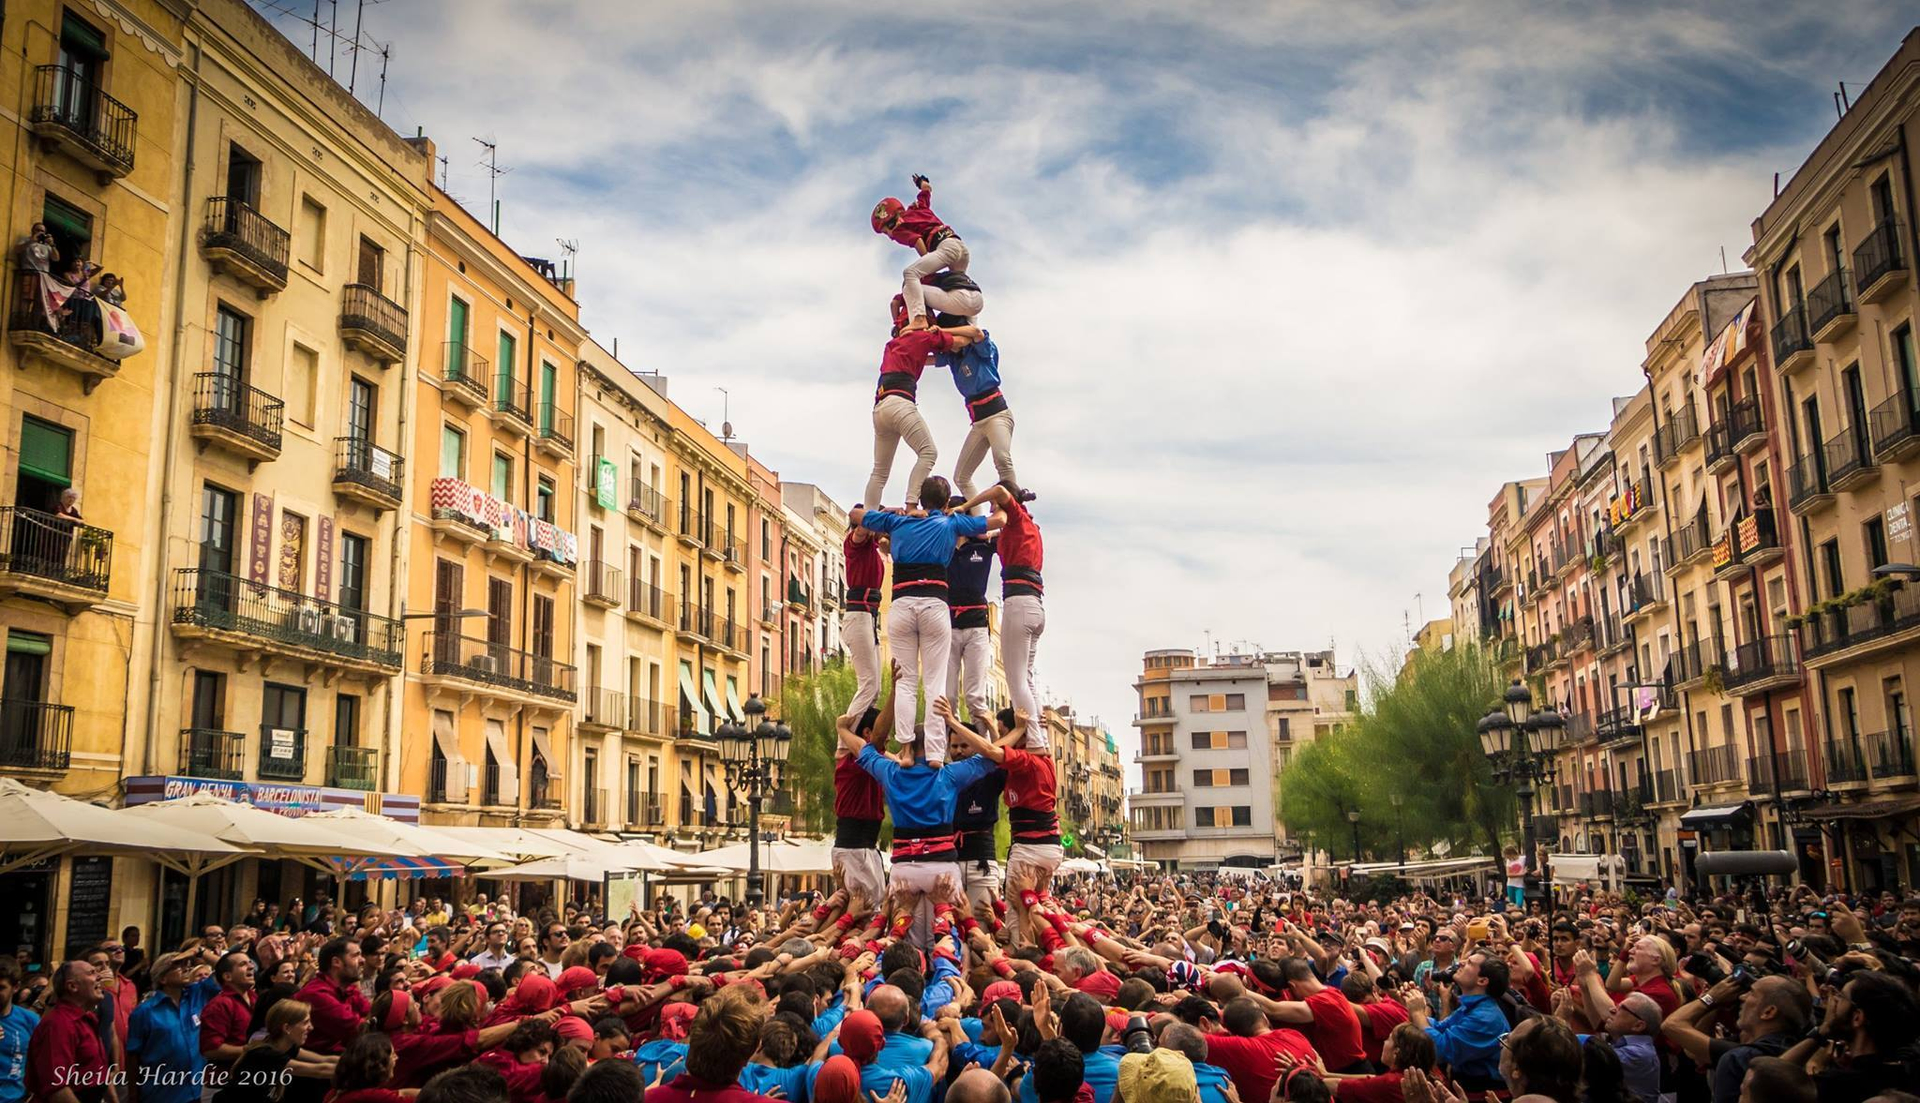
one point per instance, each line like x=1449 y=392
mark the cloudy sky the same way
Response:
x=1283 y=291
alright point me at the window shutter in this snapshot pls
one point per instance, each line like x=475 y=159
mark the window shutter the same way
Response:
x=46 y=450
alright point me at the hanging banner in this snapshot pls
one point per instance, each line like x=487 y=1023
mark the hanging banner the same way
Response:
x=606 y=482
x=260 y=550
x=323 y=560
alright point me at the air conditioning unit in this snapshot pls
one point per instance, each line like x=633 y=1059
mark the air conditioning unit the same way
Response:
x=345 y=629
x=484 y=663
x=309 y=620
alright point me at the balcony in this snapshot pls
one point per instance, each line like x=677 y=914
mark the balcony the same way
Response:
x=1892 y=755
x=1693 y=662
x=373 y=323
x=253 y=618
x=283 y=754
x=647 y=811
x=1156 y=752
x=729 y=635
x=353 y=767
x=647 y=505
x=714 y=540
x=1753 y=541
x=648 y=602
x=243 y=420
x=556 y=431
x=544 y=794
x=605 y=709
x=1646 y=594
x=1846 y=764
x=47 y=333
x=1749 y=425
x=477 y=667
x=245 y=244
x=1760 y=776
x=1880 y=265
x=1714 y=765
x=1761 y=666
x=733 y=554
x=1807 y=485
x=696 y=624
x=512 y=410
x=1830 y=310
x=603 y=585
x=1896 y=428
x=1849 y=459
x=1633 y=505
x=1579 y=636
x=1617 y=726
x=1692 y=542
x=71 y=114
x=367 y=473
x=1597 y=804
x=1876 y=621
x=1792 y=348
x=1676 y=434
x=463 y=375
x=595 y=807
x=46 y=556
x=799 y=594
x=1611 y=637
x=1580 y=729
x=1667 y=788
x=692 y=529
x=645 y=717
x=437 y=779
x=213 y=754
x=1790 y=772
x=1720 y=450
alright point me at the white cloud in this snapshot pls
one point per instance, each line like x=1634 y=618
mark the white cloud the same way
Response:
x=1283 y=292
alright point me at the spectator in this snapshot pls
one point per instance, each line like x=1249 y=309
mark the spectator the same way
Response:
x=16 y=1031
x=1468 y=1040
x=1631 y=1026
x=66 y=1062
x=608 y=1082
x=1873 y=1018
x=225 y=1022
x=1774 y=1080
x=1058 y=1073
x=1377 y=1014
x=268 y=1061
x=1212 y=1081
x=1157 y=1076
x=1541 y=1061
x=720 y=1042
x=466 y=1084
x=338 y=1005
x=1773 y=1014
x=364 y=1070
x=861 y=1036
x=1083 y=1022
x=1250 y=1047
x=163 y=1036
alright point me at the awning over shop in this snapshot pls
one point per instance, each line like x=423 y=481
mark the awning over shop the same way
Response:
x=505 y=762
x=1717 y=815
x=690 y=700
x=408 y=869
x=1884 y=808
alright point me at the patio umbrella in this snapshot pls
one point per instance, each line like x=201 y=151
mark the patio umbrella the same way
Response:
x=782 y=856
x=565 y=867
x=37 y=824
x=667 y=857
x=518 y=844
x=444 y=851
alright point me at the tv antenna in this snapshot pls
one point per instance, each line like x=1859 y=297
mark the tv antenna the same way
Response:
x=570 y=249
x=726 y=407
x=494 y=173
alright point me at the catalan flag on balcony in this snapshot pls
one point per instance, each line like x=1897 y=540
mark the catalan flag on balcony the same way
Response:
x=1727 y=346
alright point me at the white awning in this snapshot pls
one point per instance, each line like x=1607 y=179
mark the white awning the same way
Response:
x=714 y=702
x=504 y=762
x=1717 y=813
x=543 y=746
x=733 y=703
x=690 y=700
x=447 y=738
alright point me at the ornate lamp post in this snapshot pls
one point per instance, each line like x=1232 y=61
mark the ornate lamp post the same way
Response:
x=1353 y=821
x=1520 y=744
x=755 y=755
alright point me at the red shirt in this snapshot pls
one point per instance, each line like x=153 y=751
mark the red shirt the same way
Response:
x=336 y=1014
x=65 y=1052
x=523 y=1080
x=224 y=1021
x=856 y=794
x=916 y=222
x=421 y=1053
x=1100 y=984
x=1249 y=1061
x=1659 y=989
x=1384 y=1088
x=1382 y=1016
x=864 y=567
x=1335 y=1030
x=1020 y=540
x=909 y=351
x=685 y=1089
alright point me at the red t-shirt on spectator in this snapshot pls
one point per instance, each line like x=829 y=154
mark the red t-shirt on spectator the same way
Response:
x=1382 y=1016
x=1335 y=1030
x=1249 y=1061
x=1384 y=1088
x=65 y=1052
x=224 y=1021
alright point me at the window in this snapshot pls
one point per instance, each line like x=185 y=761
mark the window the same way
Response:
x=543 y=500
x=353 y=570
x=1286 y=729
x=543 y=626
x=1202 y=741
x=311 y=231
x=243 y=179
x=502 y=485
x=1197 y=703
x=230 y=333
x=503 y=369
x=346 y=720
x=361 y=404
x=1902 y=347
x=1236 y=702
x=453 y=453
x=1236 y=741
x=1242 y=815
x=766 y=539
x=82 y=51
x=549 y=386
x=219 y=516
x=1874 y=535
x=303 y=374
x=371 y=265
x=46 y=469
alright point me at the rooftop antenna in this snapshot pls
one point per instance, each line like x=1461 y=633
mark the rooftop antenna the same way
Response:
x=313 y=53
x=494 y=173
x=333 y=35
x=386 y=55
x=570 y=248
x=353 y=68
x=1723 y=260
x=443 y=172
x=726 y=408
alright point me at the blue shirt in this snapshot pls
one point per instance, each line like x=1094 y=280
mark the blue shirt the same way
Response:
x=827 y=1021
x=976 y=368
x=1469 y=1039
x=1213 y=1082
x=921 y=796
x=1102 y=1072
x=926 y=539
x=796 y=1082
x=660 y=1054
x=163 y=1042
x=16 y=1026
x=901 y=1051
x=1639 y=1063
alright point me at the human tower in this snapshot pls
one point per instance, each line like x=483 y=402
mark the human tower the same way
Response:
x=944 y=786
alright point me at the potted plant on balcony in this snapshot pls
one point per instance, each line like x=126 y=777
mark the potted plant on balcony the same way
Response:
x=1715 y=680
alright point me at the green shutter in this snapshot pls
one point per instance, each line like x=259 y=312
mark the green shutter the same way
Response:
x=453 y=453
x=77 y=36
x=68 y=219
x=503 y=371
x=456 y=336
x=46 y=451
x=29 y=643
x=548 y=381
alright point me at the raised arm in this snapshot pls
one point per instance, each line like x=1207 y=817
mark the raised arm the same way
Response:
x=993 y=751
x=997 y=494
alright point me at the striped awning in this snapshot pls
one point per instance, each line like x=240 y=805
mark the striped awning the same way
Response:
x=393 y=869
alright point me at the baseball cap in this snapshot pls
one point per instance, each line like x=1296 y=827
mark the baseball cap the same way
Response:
x=1158 y=1076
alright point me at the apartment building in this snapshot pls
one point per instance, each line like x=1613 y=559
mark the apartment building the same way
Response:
x=93 y=113
x=1834 y=256
x=1091 y=787
x=828 y=574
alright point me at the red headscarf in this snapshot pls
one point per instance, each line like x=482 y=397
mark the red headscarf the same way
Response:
x=663 y=964
x=573 y=981
x=861 y=1036
x=838 y=1081
x=675 y=1018
x=534 y=994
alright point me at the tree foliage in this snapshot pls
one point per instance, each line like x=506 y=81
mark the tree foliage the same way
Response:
x=812 y=705
x=1414 y=738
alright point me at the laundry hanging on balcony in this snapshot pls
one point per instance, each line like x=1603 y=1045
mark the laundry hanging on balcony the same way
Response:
x=67 y=313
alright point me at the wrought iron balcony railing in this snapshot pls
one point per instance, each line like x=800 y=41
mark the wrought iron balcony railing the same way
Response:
x=66 y=103
x=211 y=753
x=495 y=664
x=234 y=225
x=221 y=602
x=35 y=735
x=55 y=549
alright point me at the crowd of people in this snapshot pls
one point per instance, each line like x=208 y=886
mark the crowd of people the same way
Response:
x=1154 y=989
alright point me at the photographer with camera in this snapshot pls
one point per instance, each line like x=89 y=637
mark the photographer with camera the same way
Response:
x=1467 y=1041
x=1865 y=1044
x=1772 y=1014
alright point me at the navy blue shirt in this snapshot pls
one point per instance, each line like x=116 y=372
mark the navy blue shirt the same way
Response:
x=967 y=583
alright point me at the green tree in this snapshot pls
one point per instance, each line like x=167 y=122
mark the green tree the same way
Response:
x=812 y=705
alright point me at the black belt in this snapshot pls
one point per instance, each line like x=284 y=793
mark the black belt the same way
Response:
x=983 y=406
x=976 y=843
x=934 y=237
x=971 y=615
x=1031 y=825
x=855 y=834
x=898 y=383
x=919 y=580
x=949 y=280
x=863 y=599
x=1015 y=581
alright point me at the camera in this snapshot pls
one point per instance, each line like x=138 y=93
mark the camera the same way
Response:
x=1138 y=1038
x=1444 y=976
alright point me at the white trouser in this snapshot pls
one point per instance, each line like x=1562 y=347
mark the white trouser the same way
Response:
x=950 y=254
x=989 y=434
x=861 y=635
x=919 y=634
x=983 y=881
x=859 y=871
x=1022 y=620
x=964 y=302
x=896 y=417
x=970 y=656
x=930 y=881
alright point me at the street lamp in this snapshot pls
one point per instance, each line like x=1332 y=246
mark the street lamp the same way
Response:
x=1520 y=744
x=1353 y=821
x=1399 y=829
x=755 y=758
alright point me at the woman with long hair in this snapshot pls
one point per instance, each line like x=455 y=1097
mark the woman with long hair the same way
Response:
x=270 y=1062
x=422 y=1049
x=364 y=1070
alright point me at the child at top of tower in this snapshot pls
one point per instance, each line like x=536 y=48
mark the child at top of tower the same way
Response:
x=918 y=227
